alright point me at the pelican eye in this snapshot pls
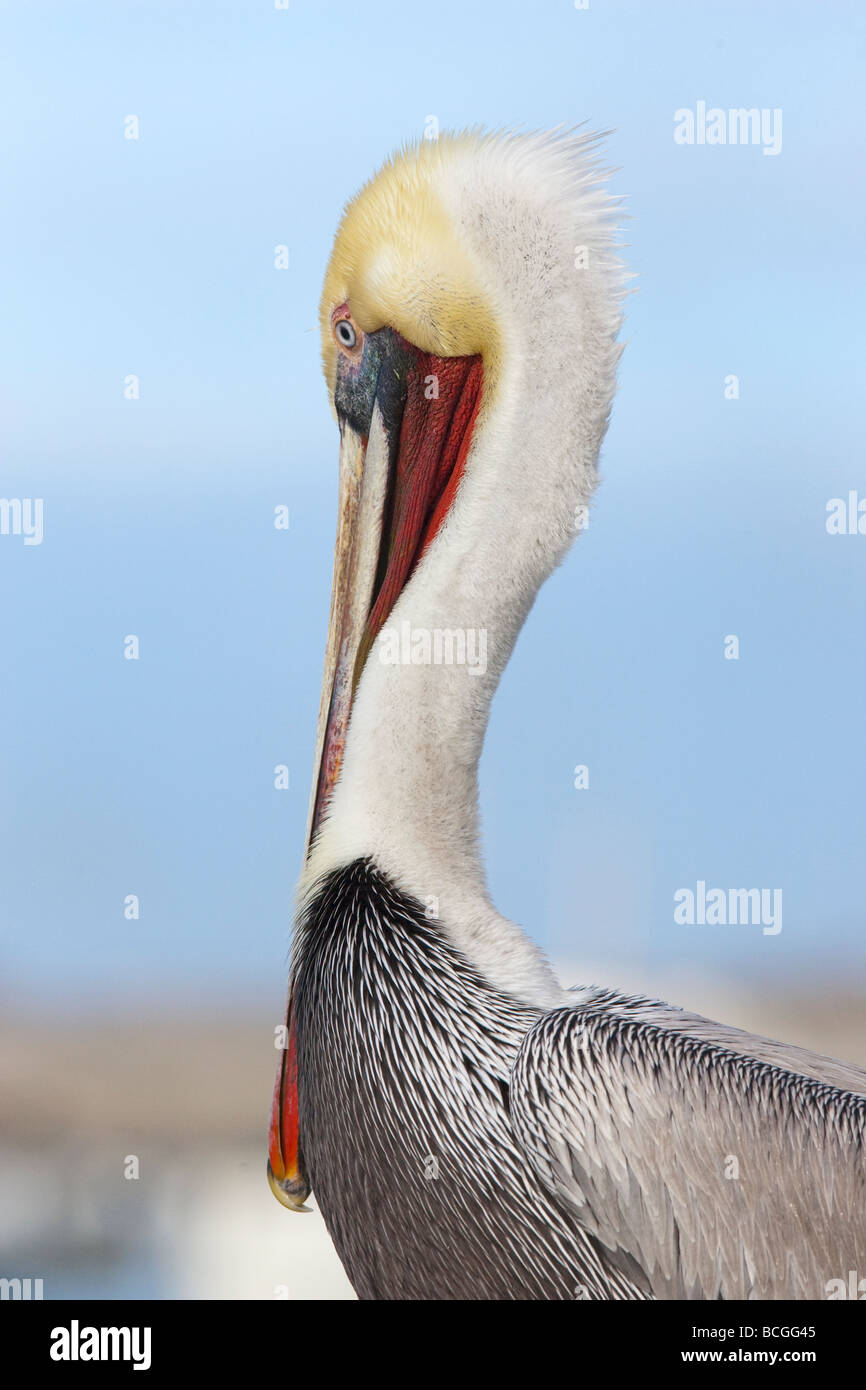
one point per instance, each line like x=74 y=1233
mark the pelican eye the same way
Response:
x=344 y=332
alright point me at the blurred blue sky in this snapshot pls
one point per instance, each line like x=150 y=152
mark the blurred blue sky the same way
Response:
x=155 y=257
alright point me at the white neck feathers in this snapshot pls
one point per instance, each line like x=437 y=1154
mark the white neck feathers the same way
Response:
x=530 y=211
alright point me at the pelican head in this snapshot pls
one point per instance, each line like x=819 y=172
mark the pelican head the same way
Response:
x=469 y=320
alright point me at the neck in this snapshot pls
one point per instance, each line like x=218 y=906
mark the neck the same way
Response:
x=408 y=791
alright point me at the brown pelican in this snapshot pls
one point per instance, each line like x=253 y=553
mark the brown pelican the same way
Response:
x=470 y=1129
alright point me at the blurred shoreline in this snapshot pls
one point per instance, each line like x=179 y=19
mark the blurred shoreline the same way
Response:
x=183 y=1096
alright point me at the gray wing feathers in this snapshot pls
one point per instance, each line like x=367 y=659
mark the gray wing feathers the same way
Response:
x=704 y=1171
x=842 y=1075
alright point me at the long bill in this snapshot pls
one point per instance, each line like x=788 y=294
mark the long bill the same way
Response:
x=403 y=447
x=364 y=468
